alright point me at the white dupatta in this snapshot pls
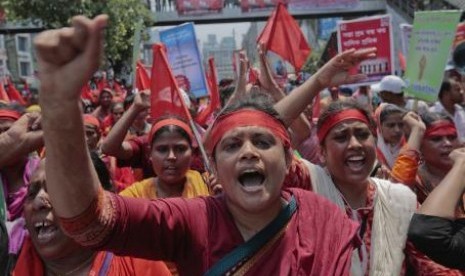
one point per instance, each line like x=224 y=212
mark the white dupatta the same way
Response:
x=394 y=205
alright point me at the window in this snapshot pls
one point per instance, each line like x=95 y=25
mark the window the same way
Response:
x=23 y=42
x=24 y=68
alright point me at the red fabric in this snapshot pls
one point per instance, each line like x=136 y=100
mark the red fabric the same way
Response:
x=344 y=115
x=245 y=117
x=440 y=128
x=3 y=95
x=253 y=76
x=215 y=103
x=167 y=122
x=283 y=36
x=9 y=114
x=165 y=95
x=200 y=231
x=142 y=77
x=13 y=93
x=29 y=263
x=402 y=61
x=91 y=120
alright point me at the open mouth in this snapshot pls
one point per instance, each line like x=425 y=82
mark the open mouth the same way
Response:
x=356 y=162
x=251 y=178
x=45 y=231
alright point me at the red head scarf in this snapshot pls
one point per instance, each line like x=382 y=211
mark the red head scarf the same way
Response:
x=343 y=115
x=245 y=117
x=91 y=120
x=7 y=114
x=440 y=128
x=170 y=121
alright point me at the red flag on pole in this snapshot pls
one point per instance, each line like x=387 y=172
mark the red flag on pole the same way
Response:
x=282 y=35
x=3 y=95
x=13 y=93
x=165 y=96
x=215 y=103
x=142 y=78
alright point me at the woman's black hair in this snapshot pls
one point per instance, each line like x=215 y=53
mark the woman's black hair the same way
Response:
x=390 y=109
x=128 y=101
x=430 y=117
x=338 y=106
x=254 y=100
x=172 y=129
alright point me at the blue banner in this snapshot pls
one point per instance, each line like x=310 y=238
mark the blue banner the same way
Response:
x=184 y=58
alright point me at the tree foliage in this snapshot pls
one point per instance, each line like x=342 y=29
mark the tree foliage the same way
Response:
x=124 y=15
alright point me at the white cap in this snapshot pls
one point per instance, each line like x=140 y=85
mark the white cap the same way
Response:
x=392 y=84
x=375 y=88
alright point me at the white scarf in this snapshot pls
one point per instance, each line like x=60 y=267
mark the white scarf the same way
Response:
x=394 y=205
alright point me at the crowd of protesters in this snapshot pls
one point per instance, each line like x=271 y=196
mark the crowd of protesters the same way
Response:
x=298 y=183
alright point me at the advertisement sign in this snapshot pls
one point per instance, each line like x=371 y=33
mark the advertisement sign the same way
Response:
x=184 y=58
x=432 y=36
x=366 y=33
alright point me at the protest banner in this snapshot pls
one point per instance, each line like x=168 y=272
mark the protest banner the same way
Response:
x=299 y=5
x=365 y=33
x=405 y=35
x=260 y=5
x=432 y=36
x=184 y=58
x=197 y=7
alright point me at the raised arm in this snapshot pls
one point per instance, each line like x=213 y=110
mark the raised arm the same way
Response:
x=241 y=81
x=406 y=165
x=434 y=230
x=335 y=72
x=67 y=58
x=23 y=137
x=114 y=144
x=300 y=127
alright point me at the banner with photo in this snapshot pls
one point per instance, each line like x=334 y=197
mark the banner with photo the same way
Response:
x=184 y=58
x=365 y=33
x=432 y=36
x=199 y=7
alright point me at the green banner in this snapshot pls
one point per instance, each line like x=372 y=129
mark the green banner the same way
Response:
x=432 y=36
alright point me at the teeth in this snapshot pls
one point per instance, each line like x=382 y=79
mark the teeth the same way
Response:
x=355 y=158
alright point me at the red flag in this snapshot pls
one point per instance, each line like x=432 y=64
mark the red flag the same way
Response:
x=86 y=93
x=283 y=36
x=13 y=93
x=253 y=76
x=165 y=98
x=142 y=78
x=3 y=94
x=402 y=61
x=215 y=103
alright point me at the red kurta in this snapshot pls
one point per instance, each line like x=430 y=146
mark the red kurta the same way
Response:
x=319 y=239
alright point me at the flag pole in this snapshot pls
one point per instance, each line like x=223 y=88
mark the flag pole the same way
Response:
x=189 y=117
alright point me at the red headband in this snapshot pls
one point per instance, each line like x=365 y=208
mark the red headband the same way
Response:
x=440 y=128
x=91 y=120
x=9 y=114
x=245 y=117
x=170 y=121
x=344 y=115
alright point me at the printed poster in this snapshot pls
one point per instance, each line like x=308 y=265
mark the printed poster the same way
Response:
x=184 y=58
x=432 y=36
x=366 y=33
